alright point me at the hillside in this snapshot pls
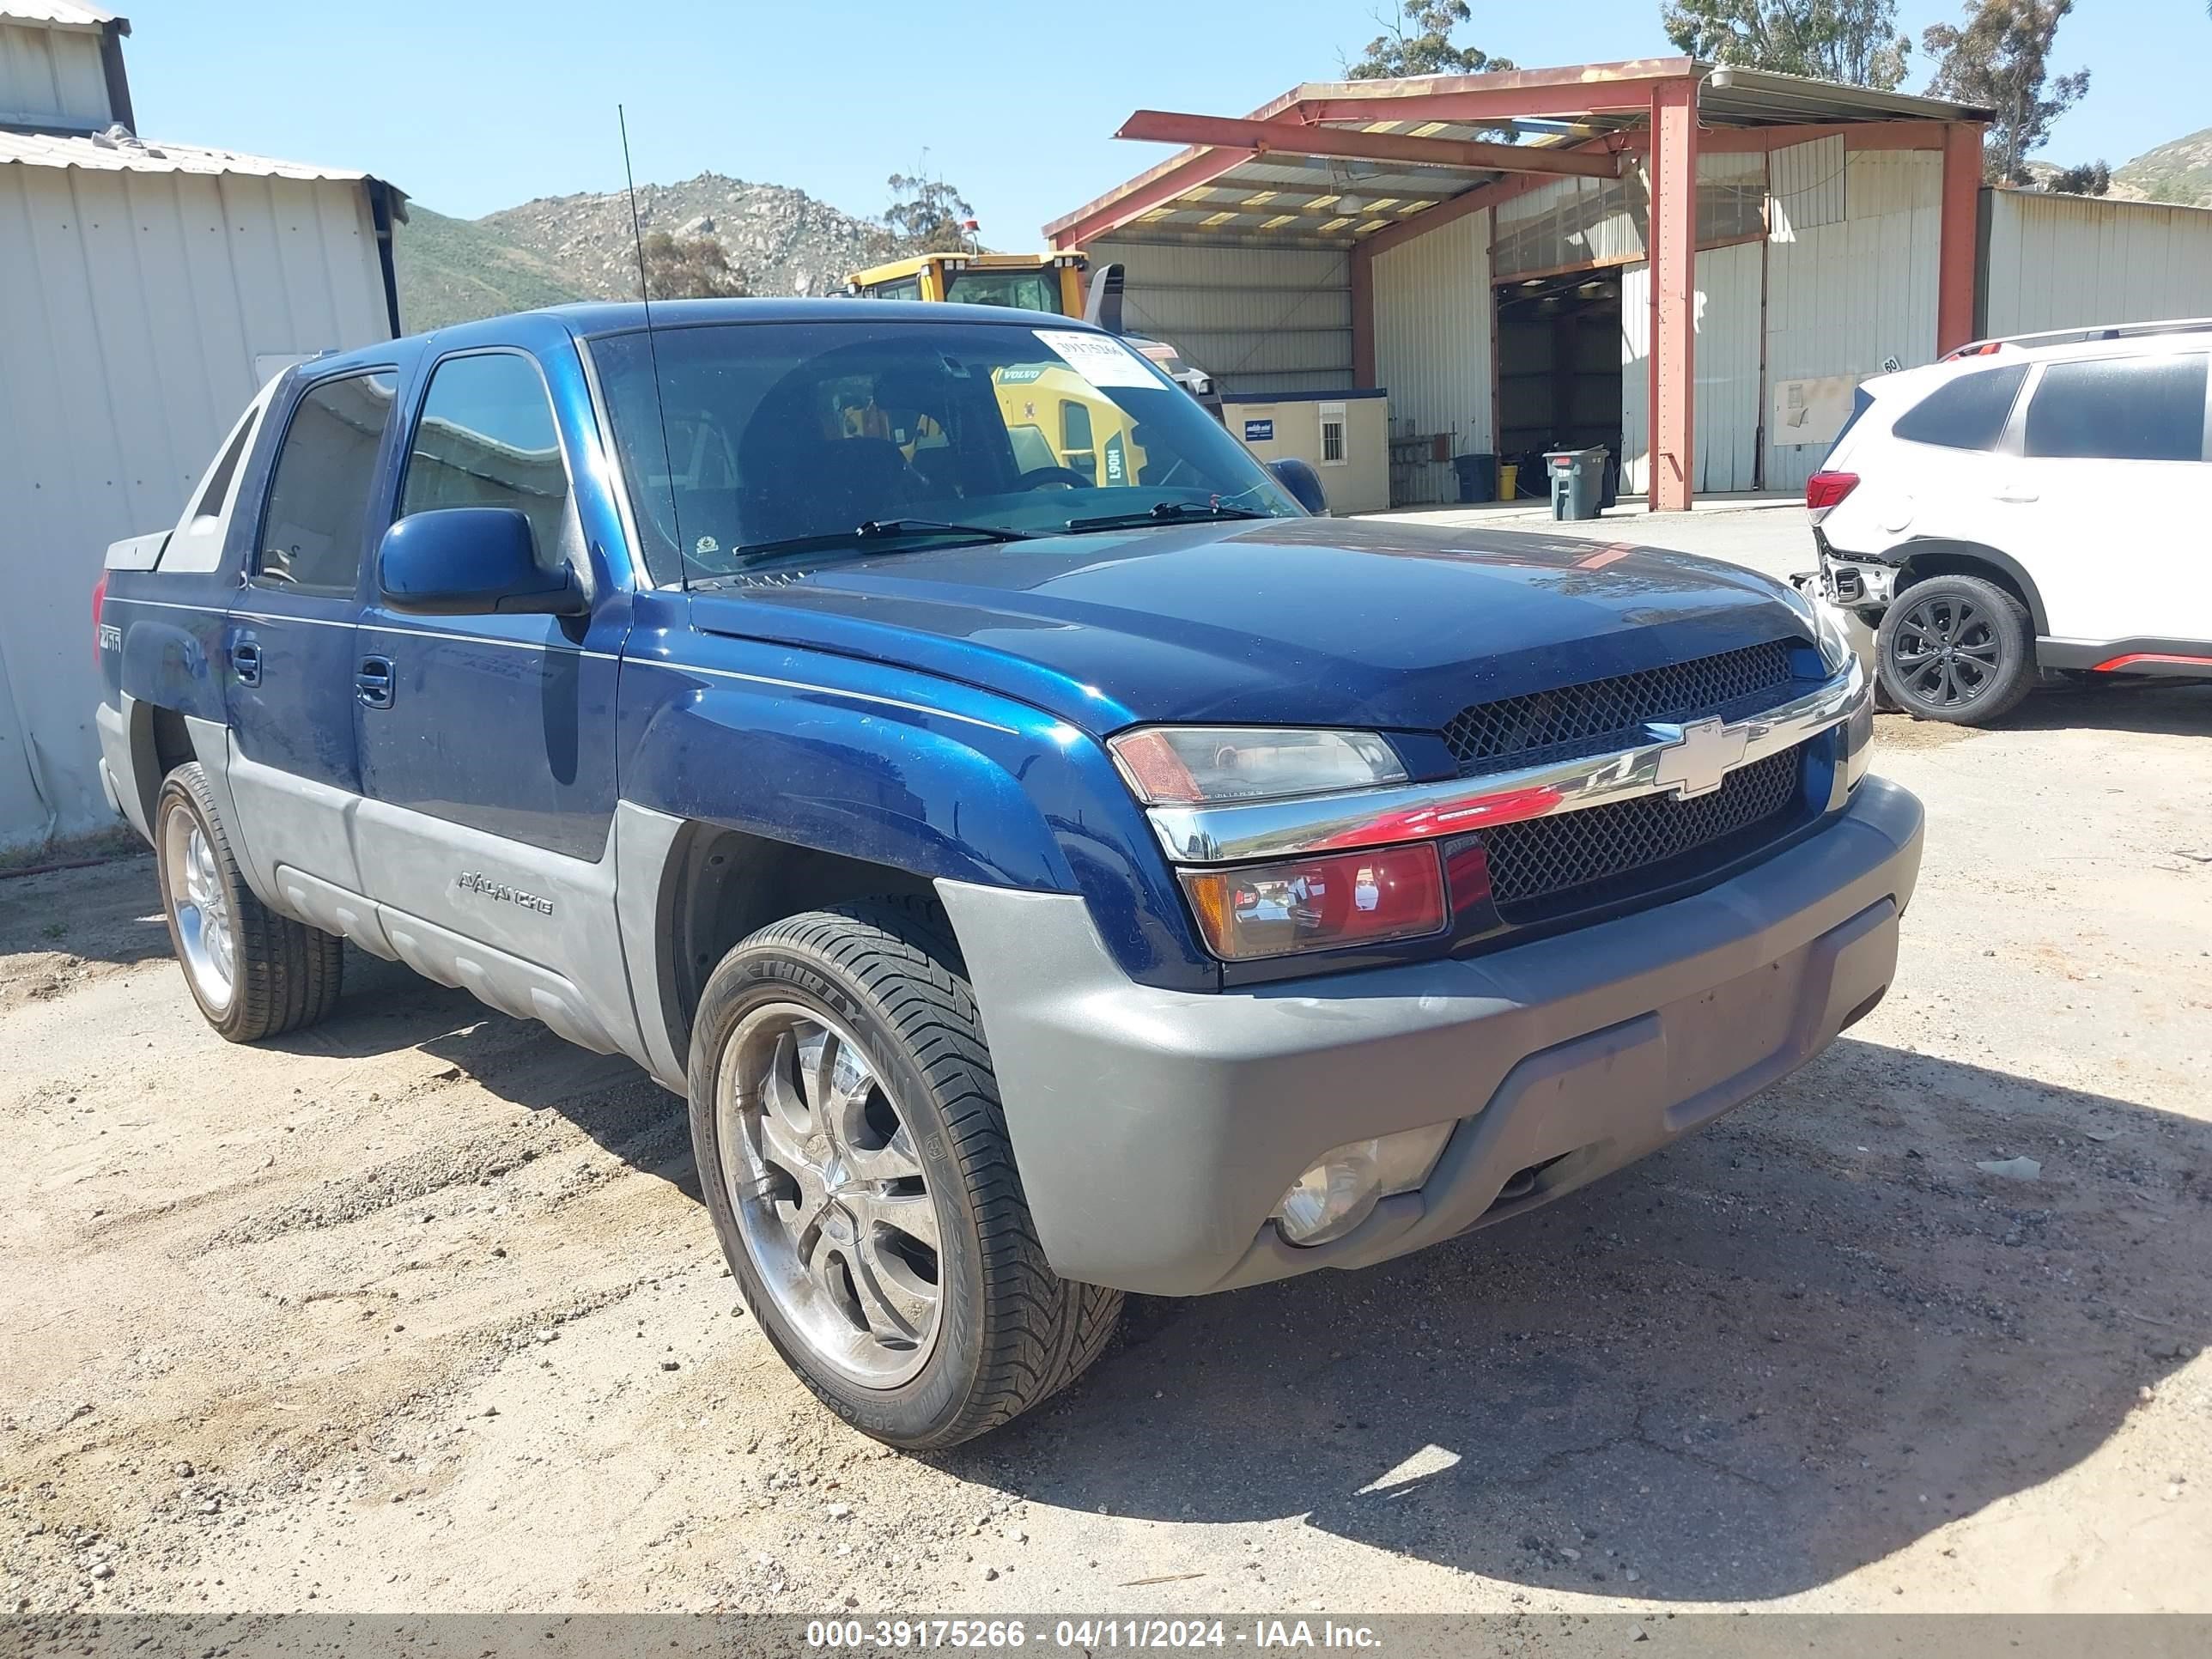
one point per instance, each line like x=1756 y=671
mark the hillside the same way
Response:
x=455 y=270
x=783 y=239
x=2178 y=171
x=579 y=247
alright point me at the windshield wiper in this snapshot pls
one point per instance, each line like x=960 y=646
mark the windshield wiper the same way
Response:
x=878 y=529
x=1163 y=512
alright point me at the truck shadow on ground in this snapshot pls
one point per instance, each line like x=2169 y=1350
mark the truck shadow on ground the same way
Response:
x=2152 y=708
x=1777 y=1353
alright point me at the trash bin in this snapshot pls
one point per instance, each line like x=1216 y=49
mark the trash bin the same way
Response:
x=1577 y=477
x=1478 y=476
x=1508 y=480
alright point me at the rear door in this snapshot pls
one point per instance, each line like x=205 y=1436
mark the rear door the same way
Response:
x=289 y=634
x=2105 y=504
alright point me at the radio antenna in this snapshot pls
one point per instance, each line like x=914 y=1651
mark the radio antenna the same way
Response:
x=651 y=350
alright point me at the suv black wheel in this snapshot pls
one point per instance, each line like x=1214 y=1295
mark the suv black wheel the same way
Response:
x=1956 y=649
x=854 y=1155
x=253 y=973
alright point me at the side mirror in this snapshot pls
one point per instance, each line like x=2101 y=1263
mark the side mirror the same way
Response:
x=472 y=561
x=1303 y=482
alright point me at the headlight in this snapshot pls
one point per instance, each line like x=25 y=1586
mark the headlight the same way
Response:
x=1190 y=765
x=1248 y=911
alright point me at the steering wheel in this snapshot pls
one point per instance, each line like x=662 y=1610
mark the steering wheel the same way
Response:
x=1037 y=477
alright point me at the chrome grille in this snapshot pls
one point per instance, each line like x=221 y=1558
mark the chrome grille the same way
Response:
x=1536 y=863
x=1598 y=713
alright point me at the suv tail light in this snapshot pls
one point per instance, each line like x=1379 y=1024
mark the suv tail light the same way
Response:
x=1824 y=490
x=99 y=604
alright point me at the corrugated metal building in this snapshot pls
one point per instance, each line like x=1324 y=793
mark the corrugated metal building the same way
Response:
x=1503 y=297
x=150 y=288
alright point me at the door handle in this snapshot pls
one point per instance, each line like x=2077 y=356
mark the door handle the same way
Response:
x=2017 y=489
x=371 y=683
x=245 y=661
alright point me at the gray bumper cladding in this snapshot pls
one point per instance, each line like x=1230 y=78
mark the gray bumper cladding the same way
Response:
x=1156 y=1130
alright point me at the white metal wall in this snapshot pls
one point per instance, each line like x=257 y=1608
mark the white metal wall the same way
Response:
x=1841 y=298
x=52 y=77
x=137 y=304
x=1433 y=314
x=2071 y=261
x=1257 y=318
x=1725 y=442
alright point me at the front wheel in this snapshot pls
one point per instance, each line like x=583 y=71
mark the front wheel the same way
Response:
x=1957 y=649
x=853 y=1154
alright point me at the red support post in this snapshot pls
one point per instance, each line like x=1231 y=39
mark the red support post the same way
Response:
x=1958 y=247
x=1672 y=412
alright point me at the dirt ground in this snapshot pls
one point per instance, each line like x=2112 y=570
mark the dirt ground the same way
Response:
x=418 y=1310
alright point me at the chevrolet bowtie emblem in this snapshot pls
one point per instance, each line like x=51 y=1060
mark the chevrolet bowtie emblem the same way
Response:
x=1700 y=756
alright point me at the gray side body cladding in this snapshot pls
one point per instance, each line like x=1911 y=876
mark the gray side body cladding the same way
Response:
x=534 y=933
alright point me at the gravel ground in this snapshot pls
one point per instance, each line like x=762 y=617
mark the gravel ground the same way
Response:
x=418 y=1310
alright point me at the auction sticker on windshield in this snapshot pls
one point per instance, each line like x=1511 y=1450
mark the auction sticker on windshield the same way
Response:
x=1099 y=359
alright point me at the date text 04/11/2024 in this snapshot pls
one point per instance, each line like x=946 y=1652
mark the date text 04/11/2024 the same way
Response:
x=1088 y=1634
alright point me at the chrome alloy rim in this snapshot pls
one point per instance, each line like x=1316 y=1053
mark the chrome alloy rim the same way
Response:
x=829 y=1191
x=200 y=907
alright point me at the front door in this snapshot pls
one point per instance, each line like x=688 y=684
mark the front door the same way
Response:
x=487 y=742
x=290 y=632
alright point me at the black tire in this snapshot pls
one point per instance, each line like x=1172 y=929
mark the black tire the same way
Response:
x=1957 y=649
x=284 y=975
x=1008 y=1332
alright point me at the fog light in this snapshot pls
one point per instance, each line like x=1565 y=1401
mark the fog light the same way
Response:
x=1341 y=1190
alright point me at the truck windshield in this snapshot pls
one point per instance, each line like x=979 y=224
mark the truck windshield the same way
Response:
x=1026 y=290
x=786 y=433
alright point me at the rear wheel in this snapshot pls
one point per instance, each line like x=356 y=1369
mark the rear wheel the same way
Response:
x=1956 y=649
x=854 y=1155
x=253 y=973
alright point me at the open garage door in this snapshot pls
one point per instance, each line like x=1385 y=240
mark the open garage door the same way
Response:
x=1728 y=313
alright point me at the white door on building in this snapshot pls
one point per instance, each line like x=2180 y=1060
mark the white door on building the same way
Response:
x=1726 y=453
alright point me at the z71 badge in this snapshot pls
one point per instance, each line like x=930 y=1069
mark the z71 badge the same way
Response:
x=491 y=887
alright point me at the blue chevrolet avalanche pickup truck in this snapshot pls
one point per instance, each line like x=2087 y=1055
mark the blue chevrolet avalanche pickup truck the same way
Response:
x=1051 y=863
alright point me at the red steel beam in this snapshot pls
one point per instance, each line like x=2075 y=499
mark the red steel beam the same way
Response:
x=1172 y=179
x=1363 y=313
x=1292 y=138
x=1671 y=412
x=1958 y=243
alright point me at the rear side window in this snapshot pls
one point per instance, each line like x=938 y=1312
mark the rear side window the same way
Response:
x=317 y=512
x=487 y=439
x=2120 y=408
x=1967 y=413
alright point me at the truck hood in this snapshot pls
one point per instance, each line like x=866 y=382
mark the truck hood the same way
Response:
x=1290 y=622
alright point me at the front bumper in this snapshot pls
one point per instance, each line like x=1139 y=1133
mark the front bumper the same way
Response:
x=1156 y=1130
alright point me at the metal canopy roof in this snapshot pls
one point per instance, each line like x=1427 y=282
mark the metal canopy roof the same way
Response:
x=60 y=14
x=103 y=154
x=1218 y=192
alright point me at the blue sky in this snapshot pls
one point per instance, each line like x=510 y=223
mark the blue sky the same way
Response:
x=474 y=105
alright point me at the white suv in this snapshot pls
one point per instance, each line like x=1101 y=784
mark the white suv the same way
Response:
x=2035 y=505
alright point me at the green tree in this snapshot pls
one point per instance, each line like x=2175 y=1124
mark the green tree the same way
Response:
x=2091 y=178
x=690 y=268
x=2001 y=59
x=1855 y=41
x=1418 y=41
x=927 y=215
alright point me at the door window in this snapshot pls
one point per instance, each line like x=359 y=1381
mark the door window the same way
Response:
x=2120 y=408
x=486 y=438
x=1967 y=413
x=317 y=517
